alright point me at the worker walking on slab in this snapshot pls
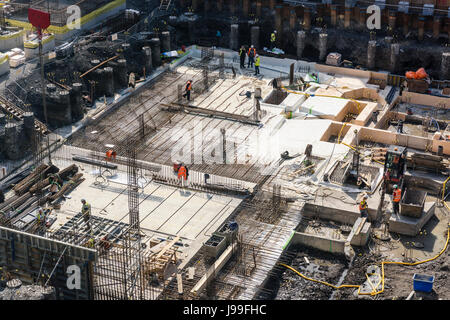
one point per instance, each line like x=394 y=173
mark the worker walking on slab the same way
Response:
x=242 y=54
x=257 y=64
x=363 y=207
x=188 y=89
x=251 y=56
x=86 y=213
x=396 y=197
x=273 y=38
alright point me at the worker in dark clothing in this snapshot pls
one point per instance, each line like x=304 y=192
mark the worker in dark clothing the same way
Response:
x=242 y=56
x=2 y=196
x=188 y=89
x=251 y=57
x=218 y=37
x=86 y=213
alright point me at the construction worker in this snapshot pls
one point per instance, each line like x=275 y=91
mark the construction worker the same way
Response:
x=251 y=57
x=218 y=37
x=182 y=174
x=363 y=207
x=242 y=56
x=188 y=89
x=91 y=243
x=257 y=64
x=273 y=38
x=111 y=155
x=86 y=213
x=396 y=197
x=132 y=81
x=40 y=216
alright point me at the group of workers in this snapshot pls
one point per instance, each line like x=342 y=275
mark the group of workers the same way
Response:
x=396 y=198
x=253 y=58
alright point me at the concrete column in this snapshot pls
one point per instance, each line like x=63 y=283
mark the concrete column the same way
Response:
x=65 y=107
x=392 y=20
x=219 y=5
x=333 y=15
x=234 y=37
x=191 y=30
x=77 y=101
x=445 y=66
x=278 y=25
x=99 y=83
x=258 y=8
x=436 y=27
x=195 y=5
x=109 y=81
x=28 y=128
x=323 y=37
x=255 y=37
x=165 y=41
x=292 y=19
x=122 y=71
x=245 y=7
x=421 y=28
x=348 y=12
x=405 y=24
x=206 y=6
x=156 y=52
x=11 y=147
x=51 y=88
x=148 y=60
x=395 y=49
x=272 y=4
x=301 y=39
x=371 y=54
x=362 y=23
x=307 y=18
x=233 y=7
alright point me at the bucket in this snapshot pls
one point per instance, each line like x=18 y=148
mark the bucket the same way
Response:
x=423 y=282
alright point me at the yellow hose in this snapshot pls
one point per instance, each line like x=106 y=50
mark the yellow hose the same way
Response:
x=374 y=292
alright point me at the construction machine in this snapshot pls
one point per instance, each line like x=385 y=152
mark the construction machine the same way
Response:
x=394 y=167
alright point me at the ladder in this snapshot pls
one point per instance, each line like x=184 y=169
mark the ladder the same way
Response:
x=165 y=4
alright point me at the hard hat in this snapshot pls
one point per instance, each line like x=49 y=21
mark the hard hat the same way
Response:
x=83 y=200
x=252 y=46
x=395 y=186
x=275 y=31
x=366 y=196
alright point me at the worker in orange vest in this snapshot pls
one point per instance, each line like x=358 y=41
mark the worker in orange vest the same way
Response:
x=111 y=155
x=188 y=89
x=363 y=207
x=396 y=197
x=182 y=174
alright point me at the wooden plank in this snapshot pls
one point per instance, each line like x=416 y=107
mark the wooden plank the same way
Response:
x=167 y=247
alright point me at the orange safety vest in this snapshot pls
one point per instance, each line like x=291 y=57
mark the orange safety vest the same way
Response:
x=111 y=154
x=189 y=86
x=182 y=173
x=254 y=51
x=362 y=205
x=397 y=195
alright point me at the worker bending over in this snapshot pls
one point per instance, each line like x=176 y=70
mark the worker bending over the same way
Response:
x=86 y=213
x=188 y=89
x=242 y=56
x=396 y=197
x=257 y=64
x=363 y=207
x=251 y=57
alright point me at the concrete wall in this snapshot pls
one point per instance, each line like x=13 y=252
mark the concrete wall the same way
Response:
x=318 y=242
x=10 y=41
x=425 y=99
x=328 y=213
x=351 y=72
